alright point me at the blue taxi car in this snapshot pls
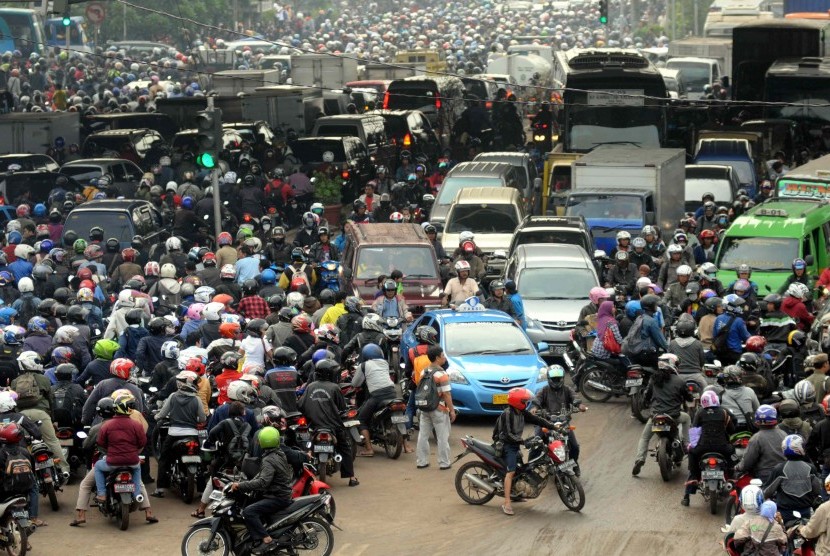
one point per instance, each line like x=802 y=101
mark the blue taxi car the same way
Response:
x=487 y=353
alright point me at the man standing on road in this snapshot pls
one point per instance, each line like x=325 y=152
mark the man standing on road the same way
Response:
x=440 y=419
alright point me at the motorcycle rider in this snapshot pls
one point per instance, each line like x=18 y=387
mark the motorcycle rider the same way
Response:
x=818 y=528
x=737 y=333
x=323 y=250
x=715 y=427
x=498 y=300
x=805 y=395
x=284 y=378
x=350 y=323
x=274 y=482
x=322 y=403
x=461 y=287
x=740 y=400
x=794 y=484
x=793 y=305
x=676 y=297
x=761 y=534
x=791 y=421
x=776 y=325
x=123 y=439
x=623 y=273
x=689 y=351
x=371 y=333
x=297 y=272
x=307 y=235
x=763 y=452
x=278 y=251
x=756 y=374
x=391 y=303
x=556 y=398
x=668 y=394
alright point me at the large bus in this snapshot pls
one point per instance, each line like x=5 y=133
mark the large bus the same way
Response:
x=808 y=181
x=755 y=46
x=721 y=23
x=803 y=83
x=21 y=30
x=78 y=39
x=611 y=96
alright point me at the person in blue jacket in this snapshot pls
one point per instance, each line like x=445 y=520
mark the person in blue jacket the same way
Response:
x=516 y=300
x=733 y=306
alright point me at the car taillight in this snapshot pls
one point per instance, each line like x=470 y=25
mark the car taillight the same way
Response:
x=301 y=422
x=323 y=437
x=41 y=457
x=124 y=477
x=407 y=140
x=398 y=407
x=386 y=100
x=633 y=374
x=438 y=104
x=712 y=462
x=345 y=174
x=192 y=447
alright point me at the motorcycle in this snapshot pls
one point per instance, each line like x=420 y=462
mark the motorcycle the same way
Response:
x=122 y=499
x=329 y=272
x=49 y=480
x=714 y=481
x=325 y=457
x=297 y=433
x=636 y=380
x=733 y=500
x=186 y=467
x=668 y=452
x=797 y=545
x=71 y=446
x=393 y=332
x=694 y=389
x=15 y=526
x=304 y=525
x=602 y=379
x=478 y=482
x=388 y=427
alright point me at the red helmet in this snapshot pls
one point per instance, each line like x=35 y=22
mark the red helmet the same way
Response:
x=468 y=247
x=707 y=234
x=296 y=282
x=825 y=403
x=128 y=255
x=84 y=274
x=756 y=344
x=87 y=284
x=519 y=398
x=195 y=364
x=22 y=211
x=151 y=268
x=230 y=329
x=11 y=433
x=121 y=368
x=224 y=239
x=209 y=257
x=301 y=323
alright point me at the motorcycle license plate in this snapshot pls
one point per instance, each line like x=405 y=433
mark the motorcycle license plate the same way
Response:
x=570 y=464
x=67 y=442
x=324 y=449
x=499 y=399
x=711 y=474
x=350 y=424
x=43 y=464
x=20 y=514
x=631 y=382
x=191 y=459
x=660 y=428
x=216 y=495
x=398 y=419
x=123 y=487
x=305 y=436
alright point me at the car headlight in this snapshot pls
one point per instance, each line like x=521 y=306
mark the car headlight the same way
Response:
x=533 y=323
x=456 y=377
x=543 y=374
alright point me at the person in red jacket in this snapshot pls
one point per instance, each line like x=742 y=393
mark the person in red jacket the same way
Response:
x=793 y=305
x=230 y=362
x=122 y=439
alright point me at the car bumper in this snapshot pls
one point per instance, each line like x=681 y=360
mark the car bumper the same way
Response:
x=557 y=340
x=474 y=400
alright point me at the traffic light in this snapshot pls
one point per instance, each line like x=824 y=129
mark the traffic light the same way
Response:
x=208 y=137
x=603 y=12
x=66 y=20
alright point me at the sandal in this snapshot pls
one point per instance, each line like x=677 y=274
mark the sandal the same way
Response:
x=353 y=482
x=198 y=514
x=506 y=510
x=77 y=522
x=364 y=454
x=153 y=519
x=38 y=522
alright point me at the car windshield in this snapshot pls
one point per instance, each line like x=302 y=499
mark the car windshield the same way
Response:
x=82 y=173
x=27 y=164
x=312 y=151
x=760 y=253
x=338 y=130
x=395 y=126
x=742 y=168
x=570 y=237
x=115 y=223
x=414 y=262
x=617 y=207
x=483 y=218
x=571 y=283
x=696 y=75
x=485 y=338
x=410 y=97
x=696 y=187
x=452 y=185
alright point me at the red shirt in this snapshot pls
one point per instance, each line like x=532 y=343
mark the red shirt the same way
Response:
x=122 y=439
x=223 y=380
x=253 y=307
x=796 y=309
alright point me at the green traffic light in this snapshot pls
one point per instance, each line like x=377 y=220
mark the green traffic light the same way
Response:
x=66 y=21
x=603 y=19
x=206 y=160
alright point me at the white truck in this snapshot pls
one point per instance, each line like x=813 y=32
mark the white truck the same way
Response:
x=527 y=70
x=232 y=82
x=320 y=70
x=626 y=188
x=715 y=48
x=36 y=132
x=696 y=74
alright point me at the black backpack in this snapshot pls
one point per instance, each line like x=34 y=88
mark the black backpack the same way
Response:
x=8 y=363
x=18 y=478
x=237 y=446
x=28 y=308
x=426 y=396
x=66 y=405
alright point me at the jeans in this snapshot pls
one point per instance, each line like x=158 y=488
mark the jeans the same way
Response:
x=410 y=410
x=374 y=402
x=787 y=515
x=642 y=448
x=255 y=512
x=440 y=422
x=101 y=470
x=34 y=502
x=47 y=433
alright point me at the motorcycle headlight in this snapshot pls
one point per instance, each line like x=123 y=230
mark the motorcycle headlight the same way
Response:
x=457 y=378
x=559 y=452
x=392 y=322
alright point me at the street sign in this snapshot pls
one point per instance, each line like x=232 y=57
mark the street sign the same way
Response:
x=95 y=12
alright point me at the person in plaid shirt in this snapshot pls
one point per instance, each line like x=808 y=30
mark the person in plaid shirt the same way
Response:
x=252 y=306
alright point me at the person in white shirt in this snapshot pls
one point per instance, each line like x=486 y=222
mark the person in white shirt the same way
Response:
x=256 y=349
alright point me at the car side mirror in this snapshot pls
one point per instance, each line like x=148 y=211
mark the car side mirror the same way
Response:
x=809 y=259
x=542 y=347
x=537 y=184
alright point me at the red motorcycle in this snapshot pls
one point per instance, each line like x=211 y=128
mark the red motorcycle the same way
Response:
x=733 y=499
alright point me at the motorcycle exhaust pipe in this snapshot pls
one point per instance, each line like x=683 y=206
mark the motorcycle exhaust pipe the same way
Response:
x=66 y=475
x=479 y=483
x=598 y=386
x=338 y=458
x=139 y=498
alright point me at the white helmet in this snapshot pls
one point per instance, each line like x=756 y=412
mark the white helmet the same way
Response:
x=26 y=285
x=7 y=402
x=241 y=391
x=708 y=269
x=466 y=235
x=294 y=299
x=171 y=186
x=674 y=248
x=170 y=350
x=66 y=334
x=168 y=270
x=462 y=265
x=173 y=244
x=684 y=270
x=22 y=251
x=12 y=226
x=623 y=235
x=752 y=497
x=796 y=289
x=125 y=298
x=29 y=361
x=203 y=294
x=643 y=282
x=316 y=206
x=211 y=311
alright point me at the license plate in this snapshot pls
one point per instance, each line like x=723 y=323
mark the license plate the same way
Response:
x=191 y=459
x=203 y=434
x=660 y=428
x=306 y=435
x=570 y=464
x=67 y=442
x=499 y=399
x=123 y=487
x=711 y=474
x=349 y=424
x=558 y=349
x=43 y=464
x=216 y=495
x=20 y=514
x=398 y=419
x=631 y=382
x=324 y=449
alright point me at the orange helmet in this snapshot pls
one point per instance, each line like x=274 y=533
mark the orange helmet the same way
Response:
x=223 y=298
x=230 y=329
x=195 y=364
x=519 y=398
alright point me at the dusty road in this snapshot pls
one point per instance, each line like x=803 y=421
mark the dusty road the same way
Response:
x=395 y=503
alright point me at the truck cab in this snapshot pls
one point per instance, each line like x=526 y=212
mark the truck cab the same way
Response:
x=696 y=73
x=608 y=211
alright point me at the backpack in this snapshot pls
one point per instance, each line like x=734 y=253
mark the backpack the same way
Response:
x=28 y=308
x=237 y=447
x=719 y=341
x=8 y=363
x=296 y=274
x=426 y=395
x=634 y=343
x=65 y=407
x=18 y=478
x=28 y=392
x=419 y=366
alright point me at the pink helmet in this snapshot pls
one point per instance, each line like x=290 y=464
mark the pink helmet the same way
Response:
x=596 y=294
x=709 y=399
x=194 y=311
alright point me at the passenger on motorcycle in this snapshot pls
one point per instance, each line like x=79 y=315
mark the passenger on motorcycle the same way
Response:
x=689 y=351
x=756 y=374
x=650 y=332
x=606 y=321
x=391 y=303
x=805 y=395
x=284 y=378
x=794 y=305
x=715 y=427
x=557 y=398
x=776 y=325
x=123 y=439
x=795 y=483
x=509 y=430
x=791 y=421
x=761 y=534
x=740 y=400
x=818 y=528
x=274 y=482
x=371 y=333
x=764 y=450
x=668 y=394
x=737 y=334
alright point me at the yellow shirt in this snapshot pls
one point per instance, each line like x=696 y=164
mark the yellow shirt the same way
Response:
x=333 y=313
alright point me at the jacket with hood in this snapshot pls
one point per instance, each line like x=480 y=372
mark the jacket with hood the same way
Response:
x=104 y=389
x=690 y=356
x=169 y=291
x=795 y=308
x=148 y=353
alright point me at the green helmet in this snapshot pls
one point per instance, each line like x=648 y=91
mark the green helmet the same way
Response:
x=105 y=349
x=269 y=437
x=79 y=246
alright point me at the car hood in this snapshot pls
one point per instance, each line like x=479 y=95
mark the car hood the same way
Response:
x=486 y=242
x=520 y=369
x=554 y=309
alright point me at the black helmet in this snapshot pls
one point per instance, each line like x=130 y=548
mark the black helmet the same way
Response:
x=137 y=243
x=135 y=316
x=427 y=334
x=285 y=356
x=62 y=295
x=76 y=315
x=352 y=304
x=749 y=362
x=65 y=371
x=157 y=326
x=326 y=369
x=46 y=308
x=113 y=245
x=256 y=327
x=276 y=301
x=358 y=204
x=96 y=233
x=286 y=314
x=685 y=326
x=105 y=407
x=60 y=310
x=390 y=285
x=297 y=254
x=649 y=302
x=326 y=297
x=775 y=299
x=250 y=286
x=69 y=238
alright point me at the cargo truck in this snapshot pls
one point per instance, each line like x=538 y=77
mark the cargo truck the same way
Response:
x=36 y=132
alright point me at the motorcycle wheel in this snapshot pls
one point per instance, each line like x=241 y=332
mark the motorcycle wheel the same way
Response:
x=19 y=537
x=731 y=510
x=713 y=503
x=468 y=491
x=53 y=497
x=156 y=441
x=199 y=535
x=322 y=470
x=332 y=505
x=189 y=488
x=638 y=408
x=664 y=458
x=315 y=537
x=392 y=441
x=592 y=394
x=570 y=491
x=124 y=517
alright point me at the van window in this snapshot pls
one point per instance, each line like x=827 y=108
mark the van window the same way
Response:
x=483 y=218
x=414 y=262
x=452 y=185
x=338 y=130
x=411 y=95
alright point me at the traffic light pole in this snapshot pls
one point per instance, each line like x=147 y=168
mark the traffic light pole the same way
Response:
x=214 y=182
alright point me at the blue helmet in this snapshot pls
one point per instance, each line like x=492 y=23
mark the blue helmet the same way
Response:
x=268 y=277
x=319 y=355
x=766 y=415
x=371 y=351
x=40 y=210
x=13 y=335
x=187 y=203
x=632 y=309
x=793 y=446
x=38 y=324
x=46 y=246
x=15 y=238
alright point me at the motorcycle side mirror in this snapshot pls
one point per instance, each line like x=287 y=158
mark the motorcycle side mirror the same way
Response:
x=797 y=514
x=153 y=389
x=600 y=254
x=542 y=347
x=81 y=434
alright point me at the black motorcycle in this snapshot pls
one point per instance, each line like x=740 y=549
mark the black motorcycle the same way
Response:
x=669 y=451
x=49 y=479
x=304 y=525
x=388 y=427
x=15 y=526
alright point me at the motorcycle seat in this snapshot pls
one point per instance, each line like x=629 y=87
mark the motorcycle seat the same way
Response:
x=15 y=501
x=293 y=414
x=483 y=446
x=296 y=504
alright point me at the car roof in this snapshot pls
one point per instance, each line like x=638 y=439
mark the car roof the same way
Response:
x=708 y=171
x=780 y=218
x=93 y=161
x=346 y=117
x=553 y=255
x=514 y=158
x=473 y=195
x=111 y=204
x=24 y=155
x=479 y=169
x=119 y=132
x=390 y=234
x=488 y=315
x=539 y=222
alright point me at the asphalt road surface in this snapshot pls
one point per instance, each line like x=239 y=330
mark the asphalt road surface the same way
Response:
x=398 y=509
